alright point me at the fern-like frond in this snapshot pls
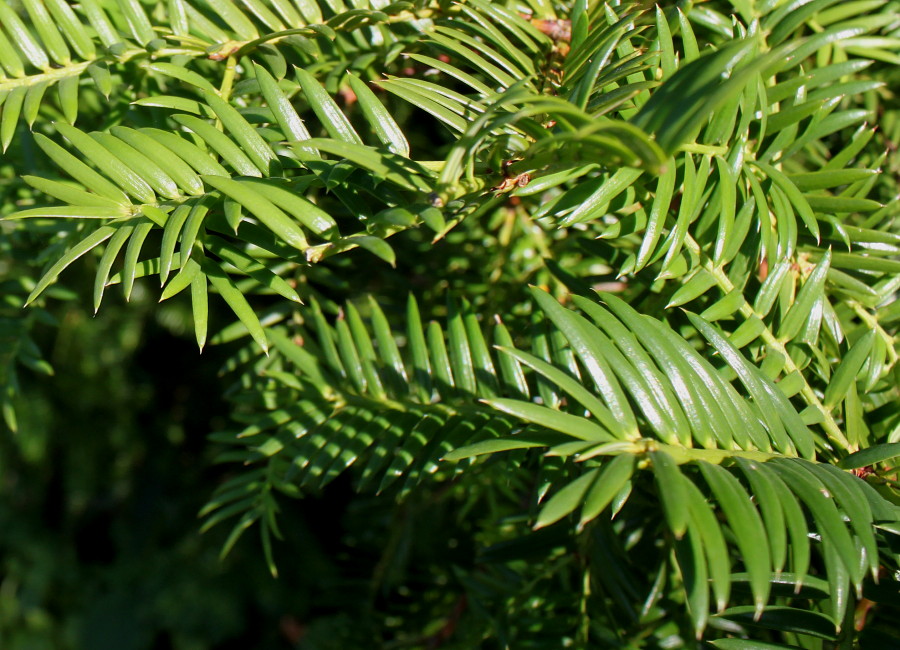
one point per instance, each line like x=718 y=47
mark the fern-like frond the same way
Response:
x=226 y=199
x=632 y=361
x=362 y=402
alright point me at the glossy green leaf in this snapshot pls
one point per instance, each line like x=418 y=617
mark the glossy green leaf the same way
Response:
x=284 y=112
x=132 y=253
x=819 y=501
x=384 y=165
x=326 y=109
x=513 y=377
x=266 y=211
x=234 y=18
x=9 y=58
x=670 y=486
x=745 y=522
x=483 y=364
x=9 y=119
x=572 y=386
x=34 y=95
x=190 y=153
x=572 y=425
x=88 y=243
x=703 y=521
x=749 y=644
x=797 y=199
x=146 y=169
x=827 y=179
x=108 y=163
x=137 y=21
x=71 y=194
x=113 y=247
x=236 y=300
x=251 y=143
x=180 y=104
x=614 y=475
x=100 y=22
x=582 y=339
x=349 y=355
x=384 y=126
x=848 y=493
x=247 y=264
x=22 y=37
x=221 y=143
x=459 y=350
x=677 y=112
x=526 y=440
x=780 y=417
x=849 y=368
x=765 y=490
x=809 y=293
x=657 y=217
x=72 y=28
x=181 y=281
x=871 y=456
x=566 y=500
x=175 y=168
x=632 y=363
x=67 y=90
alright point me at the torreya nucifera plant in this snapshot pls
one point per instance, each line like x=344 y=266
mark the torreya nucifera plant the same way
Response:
x=610 y=285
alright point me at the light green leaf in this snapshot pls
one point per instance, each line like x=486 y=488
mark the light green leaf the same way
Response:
x=571 y=425
x=247 y=264
x=613 y=477
x=129 y=266
x=809 y=293
x=142 y=166
x=137 y=21
x=582 y=337
x=849 y=368
x=12 y=110
x=88 y=243
x=71 y=194
x=384 y=126
x=108 y=163
x=871 y=456
x=326 y=109
x=72 y=28
x=190 y=153
x=573 y=387
x=251 y=143
x=566 y=500
x=165 y=159
x=235 y=299
x=270 y=215
x=22 y=37
x=221 y=143
x=284 y=113
x=106 y=261
x=67 y=90
x=526 y=440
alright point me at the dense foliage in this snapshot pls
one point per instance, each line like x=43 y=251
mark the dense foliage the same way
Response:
x=538 y=324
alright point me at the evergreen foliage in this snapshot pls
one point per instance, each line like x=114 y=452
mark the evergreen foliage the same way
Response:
x=694 y=403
